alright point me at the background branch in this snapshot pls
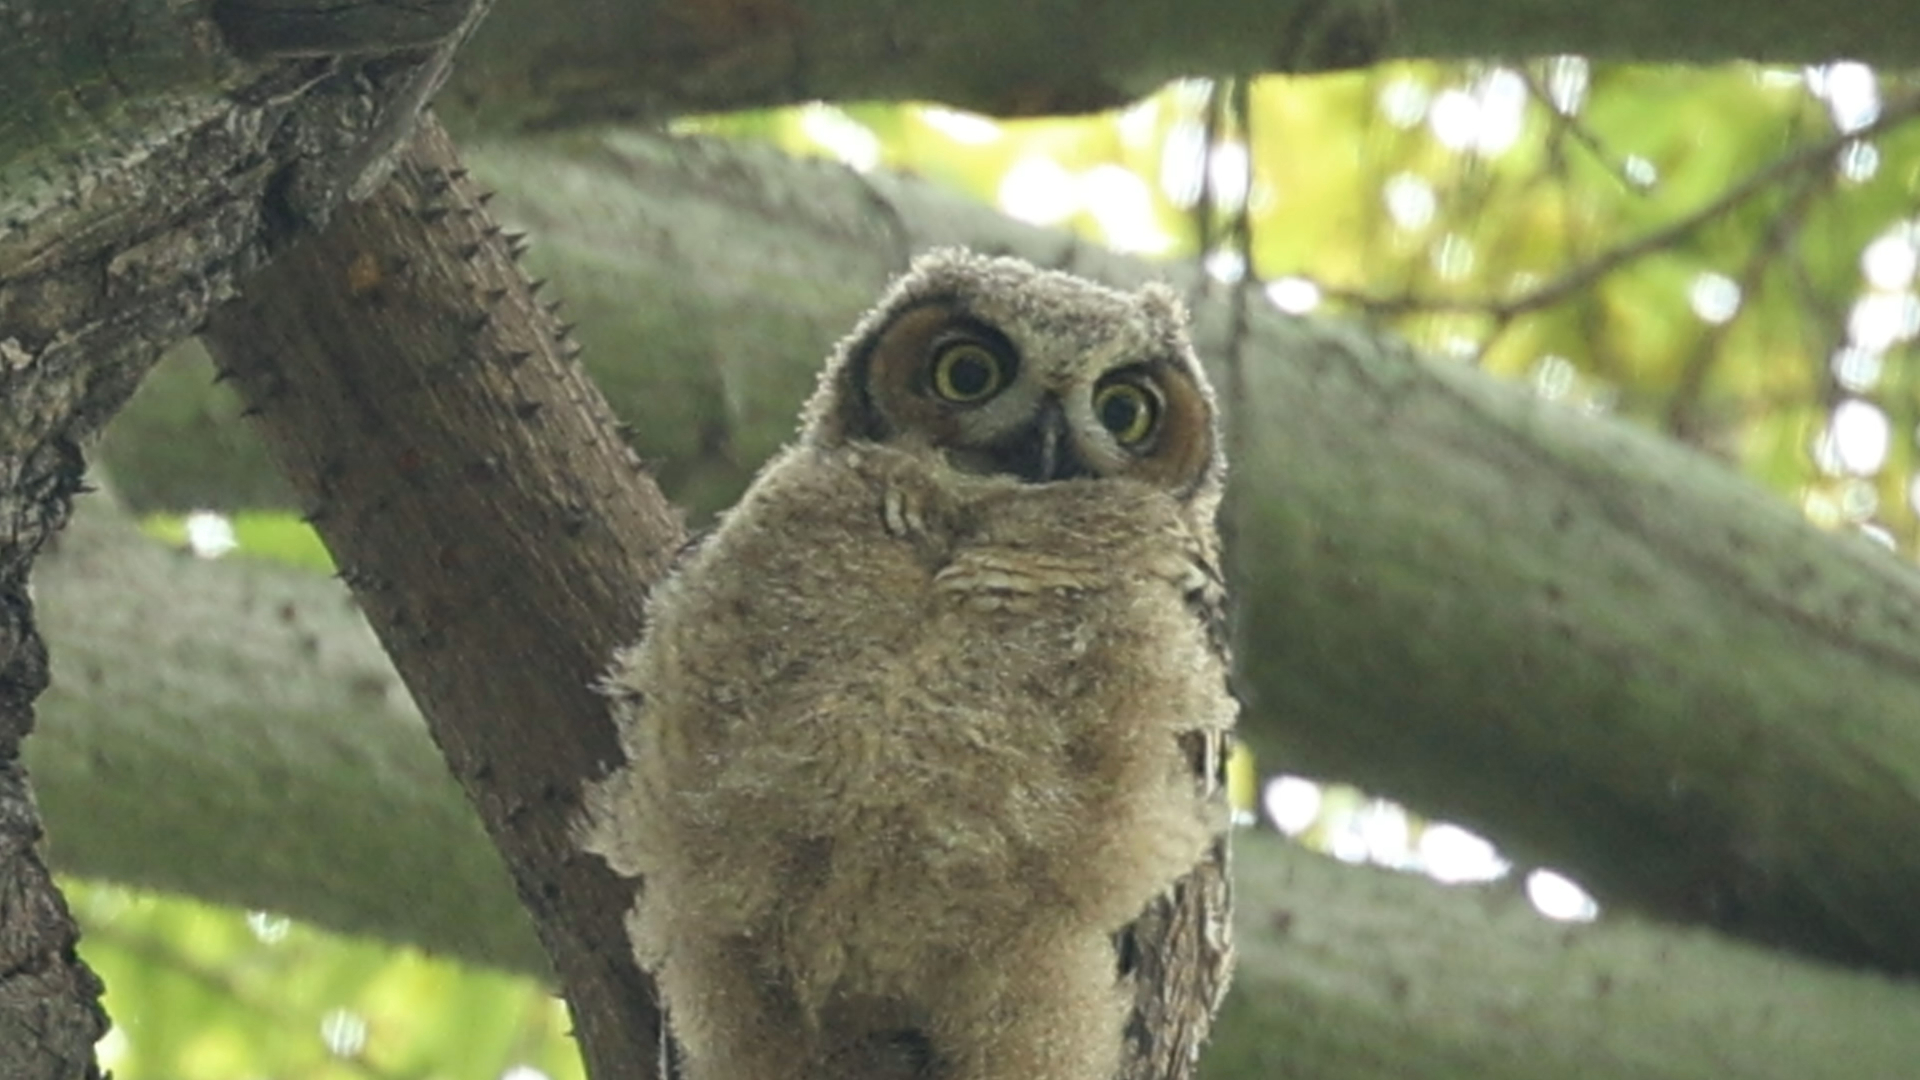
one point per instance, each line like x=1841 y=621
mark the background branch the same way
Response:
x=232 y=731
x=566 y=63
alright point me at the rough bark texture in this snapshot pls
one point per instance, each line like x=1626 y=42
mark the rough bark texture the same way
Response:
x=139 y=164
x=464 y=473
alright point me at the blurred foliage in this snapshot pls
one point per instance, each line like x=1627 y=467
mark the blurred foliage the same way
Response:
x=1727 y=255
x=204 y=993
x=274 y=536
x=1686 y=247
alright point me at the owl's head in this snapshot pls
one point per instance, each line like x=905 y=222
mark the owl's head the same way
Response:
x=1006 y=369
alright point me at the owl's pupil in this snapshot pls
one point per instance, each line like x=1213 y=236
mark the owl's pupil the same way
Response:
x=970 y=376
x=1119 y=412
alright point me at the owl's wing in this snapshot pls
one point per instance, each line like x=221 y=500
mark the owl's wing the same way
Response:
x=1179 y=952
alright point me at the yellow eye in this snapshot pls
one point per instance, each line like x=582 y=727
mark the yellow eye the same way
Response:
x=1128 y=410
x=967 y=371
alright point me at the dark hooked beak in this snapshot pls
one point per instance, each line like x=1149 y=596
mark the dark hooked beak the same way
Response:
x=1041 y=452
x=1050 y=429
x=1044 y=450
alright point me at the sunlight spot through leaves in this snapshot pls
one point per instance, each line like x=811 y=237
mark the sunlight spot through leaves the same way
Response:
x=1850 y=90
x=1294 y=295
x=1558 y=897
x=1038 y=191
x=1855 y=441
x=210 y=534
x=1890 y=260
x=968 y=129
x=344 y=1032
x=1410 y=201
x=1715 y=298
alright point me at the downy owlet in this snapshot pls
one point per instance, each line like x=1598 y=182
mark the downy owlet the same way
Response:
x=926 y=737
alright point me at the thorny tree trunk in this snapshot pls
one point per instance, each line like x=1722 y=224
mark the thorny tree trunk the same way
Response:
x=465 y=474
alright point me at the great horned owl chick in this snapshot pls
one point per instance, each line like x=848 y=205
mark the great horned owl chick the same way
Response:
x=925 y=738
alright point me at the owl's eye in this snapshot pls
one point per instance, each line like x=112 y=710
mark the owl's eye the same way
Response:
x=1128 y=410
x=967 y=371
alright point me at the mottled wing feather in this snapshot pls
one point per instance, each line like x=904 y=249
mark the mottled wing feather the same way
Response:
x=1180 y=949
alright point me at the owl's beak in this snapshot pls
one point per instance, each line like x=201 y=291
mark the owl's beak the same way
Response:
x=1050 y=428
x=1041 y=452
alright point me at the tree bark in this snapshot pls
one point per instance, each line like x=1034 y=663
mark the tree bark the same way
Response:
x=464 y=473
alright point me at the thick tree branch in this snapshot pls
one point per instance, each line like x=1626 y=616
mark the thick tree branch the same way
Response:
x=232 y=731
x=258 y=28
x=462 y=470
x=1365 y=974
x=1444 y=982
x=568 y=64
x=560 y=63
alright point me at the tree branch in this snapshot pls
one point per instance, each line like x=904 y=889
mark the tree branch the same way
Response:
x=262 y=28
x=231 y=730
x=136 y=161
x=565 y=63
x=1366 y=974
x=1444 y=982
x=462 y=471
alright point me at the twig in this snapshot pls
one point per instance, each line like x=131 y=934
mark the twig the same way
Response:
x=1585 y=275
x=1567 y=125
x=1683 y=417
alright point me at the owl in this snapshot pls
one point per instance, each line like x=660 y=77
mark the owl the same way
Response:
x=926 y=738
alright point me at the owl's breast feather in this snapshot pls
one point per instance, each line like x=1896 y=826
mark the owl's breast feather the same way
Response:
x=943 y=705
